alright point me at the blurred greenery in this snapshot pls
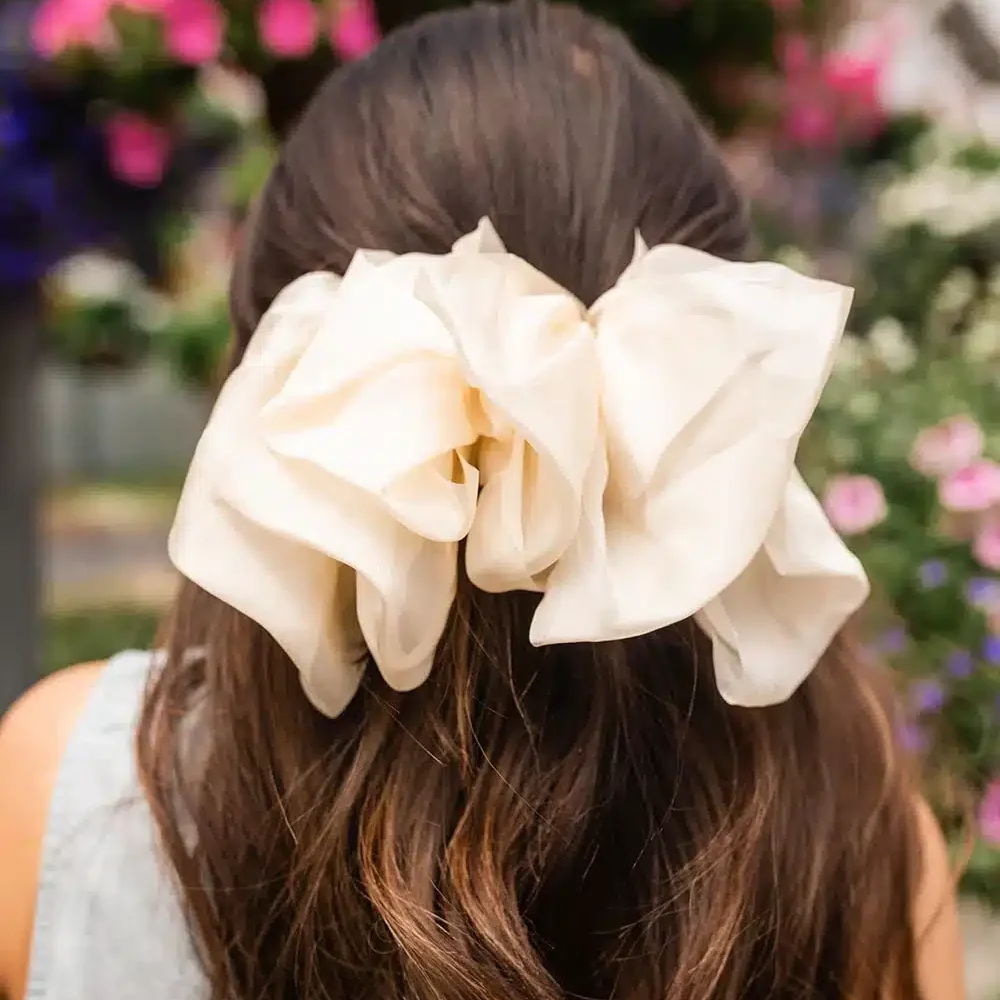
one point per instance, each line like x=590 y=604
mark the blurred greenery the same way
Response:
x=100 y=333
x=194 y=342
x=248 y=171
x=95 y=634
x=982 y=871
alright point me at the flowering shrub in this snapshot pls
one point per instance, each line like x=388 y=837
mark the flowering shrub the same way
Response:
x=905 y=451
x=837 y=125
x=143 y=57
x=100 y=311
x=831 y=98
x=103 y=312
x=51 y=168
x=195 y=32
x=935 y=261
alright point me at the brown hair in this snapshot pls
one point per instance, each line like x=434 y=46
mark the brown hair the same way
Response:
x=530 y=824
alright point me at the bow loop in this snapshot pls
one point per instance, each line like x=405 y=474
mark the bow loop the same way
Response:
x=537 y=372
x=710 y=373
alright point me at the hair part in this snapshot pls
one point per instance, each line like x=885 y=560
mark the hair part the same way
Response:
x=535 y=824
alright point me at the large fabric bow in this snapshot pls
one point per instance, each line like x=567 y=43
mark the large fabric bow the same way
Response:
x=633 y=462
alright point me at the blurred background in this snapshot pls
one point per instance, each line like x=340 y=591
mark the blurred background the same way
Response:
x=133 y=134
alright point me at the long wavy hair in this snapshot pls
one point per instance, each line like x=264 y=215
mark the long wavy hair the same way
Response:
x=586 y=821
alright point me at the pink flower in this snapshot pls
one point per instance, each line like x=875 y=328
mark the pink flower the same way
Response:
x=854 y=504
x=794 y=54
x=852 y=74
x=138 y=149
x=62 y=24
x=288 y=28
x=986 y=545
x=972 y=489
x=354 y=31
x=947 y=447
x=855 y=82
x=989 y=814
x=194 y=30
x=811 y=124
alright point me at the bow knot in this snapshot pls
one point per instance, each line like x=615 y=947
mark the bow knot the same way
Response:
x=633 y=462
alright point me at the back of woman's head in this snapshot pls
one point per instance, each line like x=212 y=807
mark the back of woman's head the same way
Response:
x=572 y=821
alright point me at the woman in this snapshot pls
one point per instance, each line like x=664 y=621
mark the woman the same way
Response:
x=582 y=723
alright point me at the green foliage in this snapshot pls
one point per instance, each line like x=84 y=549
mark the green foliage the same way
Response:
x=897 y=143
x=96 y=634
x=194 y=343
x=100 y=312
x=246 y=175
x=98 y=334
x=982 y=871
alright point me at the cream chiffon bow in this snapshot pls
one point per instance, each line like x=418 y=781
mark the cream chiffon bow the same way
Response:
x=633 y=462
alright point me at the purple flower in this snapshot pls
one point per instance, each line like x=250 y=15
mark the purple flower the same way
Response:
x=893 y=641
x=927 y=696
x=959 y=663
x=933 y=573
x=912 y=737
x=991 y=650
x=983 y=592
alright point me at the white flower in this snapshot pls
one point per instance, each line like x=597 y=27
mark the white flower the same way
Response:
x=955 y=293
x=891 y=346
x=949 y=199
x=152 y=310
x=982 y=342
x=864 y=405
x=236 y=94
x=921 y=196
x=852 y=352
x=936 y=145
x=95 y=277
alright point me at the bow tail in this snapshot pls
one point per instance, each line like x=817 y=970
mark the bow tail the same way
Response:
x=302 y=598
x=403 y=619
x=771 y=626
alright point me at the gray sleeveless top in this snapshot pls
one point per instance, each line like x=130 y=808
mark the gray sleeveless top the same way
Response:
x=108 y=924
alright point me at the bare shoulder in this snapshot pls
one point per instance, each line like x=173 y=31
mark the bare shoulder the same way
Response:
x=33 y=737
x=935 y=919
